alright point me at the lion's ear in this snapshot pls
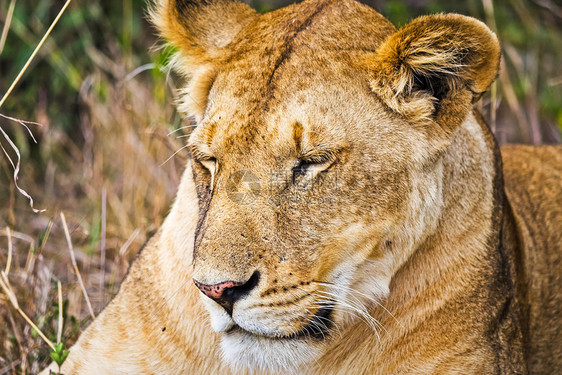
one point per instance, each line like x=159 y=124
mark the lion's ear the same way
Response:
x=435 y=67
x=201 y=30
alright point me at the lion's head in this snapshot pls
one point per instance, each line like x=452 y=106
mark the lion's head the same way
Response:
x=316 y=158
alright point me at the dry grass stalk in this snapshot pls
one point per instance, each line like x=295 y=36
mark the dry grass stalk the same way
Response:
x=7 y=23
x=16 y=80
x=102 y=244
x=16 y=331
x=60 y=322
x=511 y=98
x=5 y=286
x=125 y=247
x=9 y=261
x=16 y=165
x=73 y=259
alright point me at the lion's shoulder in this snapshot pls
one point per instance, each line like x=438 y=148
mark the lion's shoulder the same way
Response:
x=533 y=177
x=533 y=180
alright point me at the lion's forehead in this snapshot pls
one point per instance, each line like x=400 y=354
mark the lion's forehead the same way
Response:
x=315 y=25
x=251 y=106
x=289 y=52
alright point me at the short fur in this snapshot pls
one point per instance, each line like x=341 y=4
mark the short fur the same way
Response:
x=341 y=161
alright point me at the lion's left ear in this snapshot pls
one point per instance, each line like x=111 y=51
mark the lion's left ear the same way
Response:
x=435 y=67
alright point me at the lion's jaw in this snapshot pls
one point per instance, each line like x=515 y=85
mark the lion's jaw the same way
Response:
x=246 y=345
x=242 y=349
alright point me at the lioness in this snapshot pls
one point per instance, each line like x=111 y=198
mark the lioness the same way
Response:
x=396 y=243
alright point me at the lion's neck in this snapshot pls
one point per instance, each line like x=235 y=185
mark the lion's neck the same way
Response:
x=454 y=260
x=462 y=232
x=449 y=227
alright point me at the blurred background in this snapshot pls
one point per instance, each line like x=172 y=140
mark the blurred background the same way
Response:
x=102 y=110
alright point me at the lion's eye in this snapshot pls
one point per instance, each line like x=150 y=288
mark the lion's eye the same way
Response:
x=203 y=158
x=209 y=164
x=206 y=169
x=311 y=166
x=300 y=169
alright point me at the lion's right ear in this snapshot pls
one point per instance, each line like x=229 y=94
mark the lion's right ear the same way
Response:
x=201 y=30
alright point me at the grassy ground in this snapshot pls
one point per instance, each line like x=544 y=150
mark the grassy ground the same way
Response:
x=108 y=127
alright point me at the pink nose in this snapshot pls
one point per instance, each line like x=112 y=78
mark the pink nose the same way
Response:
x=216 y=291
x=228 y=292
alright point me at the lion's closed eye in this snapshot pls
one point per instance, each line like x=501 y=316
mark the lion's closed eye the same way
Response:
x=210 y=164
x=312 y=164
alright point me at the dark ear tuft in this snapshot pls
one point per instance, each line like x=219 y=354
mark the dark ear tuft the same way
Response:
x=435 y=67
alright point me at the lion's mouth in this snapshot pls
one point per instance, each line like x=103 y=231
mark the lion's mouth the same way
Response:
x=318 y=328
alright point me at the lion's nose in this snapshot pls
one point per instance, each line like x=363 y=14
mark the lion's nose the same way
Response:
x=228 y=292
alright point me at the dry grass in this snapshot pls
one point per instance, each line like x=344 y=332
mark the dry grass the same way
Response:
x=125 y=121
x=104 y=171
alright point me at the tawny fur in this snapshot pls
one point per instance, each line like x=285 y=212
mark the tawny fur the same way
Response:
x=401 y=220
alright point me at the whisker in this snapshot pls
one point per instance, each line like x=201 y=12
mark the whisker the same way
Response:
x=174 y=154
x=370 y=298
x=180 y=128
x=360 y=312
x=322 y=303
x=311 y=318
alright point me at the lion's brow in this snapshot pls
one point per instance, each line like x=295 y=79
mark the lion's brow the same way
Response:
x=320 y=153
x=297 y=136
x=311 y=144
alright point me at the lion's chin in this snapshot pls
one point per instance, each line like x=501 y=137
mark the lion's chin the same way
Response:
x=244 y=350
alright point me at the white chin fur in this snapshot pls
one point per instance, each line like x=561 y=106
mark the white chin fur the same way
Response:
x=244 y=351
x=220 y=320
